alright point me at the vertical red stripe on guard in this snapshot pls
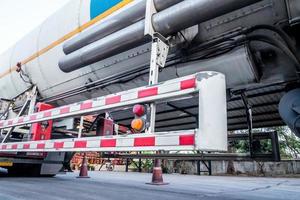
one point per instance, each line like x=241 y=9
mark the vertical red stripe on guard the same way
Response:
x=26 y=146
x=148 y=92
x=64 y=110
x=145 y=141
x=58 y=145
x=187 y=140
x=80 y=144
x=113 y=100
x=32 y=117
x=47 y=114
x=86 y=105
x=108 y=143
x=21 y=120
x=41 y=146
x=14 y=146
x=4 y=147
x=187 y=84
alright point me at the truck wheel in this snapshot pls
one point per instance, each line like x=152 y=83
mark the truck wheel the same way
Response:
x=25 y=170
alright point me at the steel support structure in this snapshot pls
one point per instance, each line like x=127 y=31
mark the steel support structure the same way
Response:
x=159 y=54
x=206 y=158
x=29 y=104
x=248 y=109
x=206 y=85
x=207 y=165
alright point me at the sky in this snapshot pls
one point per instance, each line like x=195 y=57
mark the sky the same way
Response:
x=18 y=17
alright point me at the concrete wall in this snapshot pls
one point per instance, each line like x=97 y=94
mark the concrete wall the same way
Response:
x=254 y=168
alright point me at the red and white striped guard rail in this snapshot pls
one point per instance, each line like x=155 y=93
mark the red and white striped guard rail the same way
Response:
x=169 y=89
x=169 y=141
x=211 y=134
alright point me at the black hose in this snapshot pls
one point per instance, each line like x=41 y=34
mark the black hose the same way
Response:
x=277 y=44
x=278 y=31
x=289 y=49
x=281 y=33
x=91 y=86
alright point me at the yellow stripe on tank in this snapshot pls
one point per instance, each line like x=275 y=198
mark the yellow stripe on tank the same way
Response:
x=69 y=35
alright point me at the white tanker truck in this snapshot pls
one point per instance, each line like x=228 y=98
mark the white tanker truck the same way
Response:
x=94 y=48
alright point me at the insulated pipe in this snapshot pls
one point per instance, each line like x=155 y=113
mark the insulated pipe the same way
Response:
x=104 y=48
x=192 y=12
x=168 y=21
x=126 y=17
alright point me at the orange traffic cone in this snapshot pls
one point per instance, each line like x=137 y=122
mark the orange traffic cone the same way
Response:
x=84 y=168
x=157 y=178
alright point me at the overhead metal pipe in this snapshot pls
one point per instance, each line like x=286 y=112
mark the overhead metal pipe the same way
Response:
x=166 y=22
x=192 y=12
x=104 y=48
x=124 y=18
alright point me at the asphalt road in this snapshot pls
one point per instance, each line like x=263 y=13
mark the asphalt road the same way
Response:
x=131 y=186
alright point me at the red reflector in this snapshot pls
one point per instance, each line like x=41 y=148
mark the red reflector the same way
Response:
x=14 y=146
x=138 y=110
x=26 y=146
x=32 y=117
x=108 y=143
x=145 y=141
x=148 y=92
x=191 y=83
x=58 y=145
x=86 y=105
x=41 y=146
x=80 y=144
x=3 y=147
x=187 y=140
x=64 y=110
x=113 y=100
x=47 y=114
x=21 y=120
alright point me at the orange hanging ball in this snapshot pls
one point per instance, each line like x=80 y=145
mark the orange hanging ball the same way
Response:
x=137 y=124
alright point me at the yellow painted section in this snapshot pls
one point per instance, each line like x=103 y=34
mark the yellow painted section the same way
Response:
x=6 y=164
x=69 y=35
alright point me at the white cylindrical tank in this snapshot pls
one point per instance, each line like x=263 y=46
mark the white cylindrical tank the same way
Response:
x=40 y=50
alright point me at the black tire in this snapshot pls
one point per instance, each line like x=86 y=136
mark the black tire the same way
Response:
x=25 y=170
